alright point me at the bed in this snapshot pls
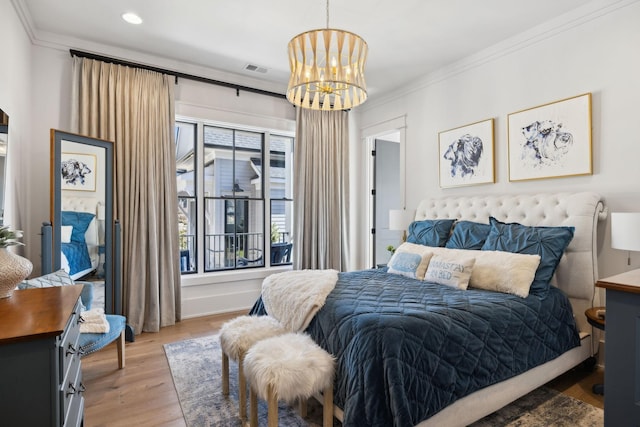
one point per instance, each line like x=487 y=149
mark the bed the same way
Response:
x=79 y=245
x=408 y=352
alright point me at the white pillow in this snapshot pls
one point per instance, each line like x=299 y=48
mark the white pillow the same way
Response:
x=410 y=260
x=65 y=233
x=450 y=270
x=498 y=271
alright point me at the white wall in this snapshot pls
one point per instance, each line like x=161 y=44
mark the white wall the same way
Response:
x=15 y=100
x=594 y=51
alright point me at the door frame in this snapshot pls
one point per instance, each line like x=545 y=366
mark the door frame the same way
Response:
x=369 y=135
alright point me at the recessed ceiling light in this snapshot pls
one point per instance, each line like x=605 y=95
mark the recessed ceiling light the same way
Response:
x=132 y=18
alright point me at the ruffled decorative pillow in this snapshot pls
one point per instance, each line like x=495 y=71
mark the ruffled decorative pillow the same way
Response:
x=547 y=242
x=430 y=232
x=468 y=235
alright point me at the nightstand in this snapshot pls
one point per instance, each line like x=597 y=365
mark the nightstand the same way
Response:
x=622 y=377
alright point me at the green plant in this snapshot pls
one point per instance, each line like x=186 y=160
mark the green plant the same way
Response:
x=8 y=237
x=391 y=249
x=275 y=233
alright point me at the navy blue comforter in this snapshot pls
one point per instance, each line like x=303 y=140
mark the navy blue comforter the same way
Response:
x=77 y=255
x=406 y=349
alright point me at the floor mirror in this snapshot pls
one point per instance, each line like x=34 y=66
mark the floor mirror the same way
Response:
x=83 y=228
x=4 y=144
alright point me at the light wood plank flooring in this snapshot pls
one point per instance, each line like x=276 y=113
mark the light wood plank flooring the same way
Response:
x=142 y=394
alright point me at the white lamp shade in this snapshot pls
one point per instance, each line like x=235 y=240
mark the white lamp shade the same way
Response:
x=625 y=231
x=400 y=219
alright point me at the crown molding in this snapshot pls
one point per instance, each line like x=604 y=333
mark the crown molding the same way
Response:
x=561 y=24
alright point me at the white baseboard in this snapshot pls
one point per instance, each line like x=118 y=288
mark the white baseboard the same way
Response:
x=222 y=292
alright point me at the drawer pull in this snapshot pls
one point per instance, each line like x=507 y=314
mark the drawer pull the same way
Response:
x=72 y=350
x=71 y=389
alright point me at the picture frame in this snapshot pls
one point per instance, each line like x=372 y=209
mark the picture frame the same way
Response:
x=466 y=155
x=78 y=171
x=551 y=140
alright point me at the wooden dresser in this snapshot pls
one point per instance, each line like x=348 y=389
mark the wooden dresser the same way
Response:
x=622 y=344
x=39 y=361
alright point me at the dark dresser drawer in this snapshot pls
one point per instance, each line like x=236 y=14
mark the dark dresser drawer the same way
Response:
x=71 y=393
x=40 y=366
x=69 y=348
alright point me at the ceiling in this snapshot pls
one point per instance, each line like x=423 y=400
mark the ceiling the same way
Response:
x=406 y=38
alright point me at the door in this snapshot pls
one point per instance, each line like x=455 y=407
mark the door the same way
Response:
x=386 y=195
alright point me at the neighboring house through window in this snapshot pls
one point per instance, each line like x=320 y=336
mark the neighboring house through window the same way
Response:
x=225 y=204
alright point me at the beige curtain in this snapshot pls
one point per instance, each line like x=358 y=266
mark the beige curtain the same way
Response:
x=321 y=190
x=134 y=108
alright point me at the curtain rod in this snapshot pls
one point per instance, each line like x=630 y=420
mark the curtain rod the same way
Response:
x=176 y=74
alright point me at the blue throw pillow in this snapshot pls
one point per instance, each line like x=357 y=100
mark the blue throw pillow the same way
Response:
x=548 y=242
x=430 y=232
x=79 y=221
x=468 y=235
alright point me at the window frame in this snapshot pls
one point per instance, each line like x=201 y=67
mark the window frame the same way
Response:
x=265 y=200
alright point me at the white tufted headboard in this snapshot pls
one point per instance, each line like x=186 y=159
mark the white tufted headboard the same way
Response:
x=577 y=272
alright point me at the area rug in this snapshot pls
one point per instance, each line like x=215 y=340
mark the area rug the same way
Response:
x=197 y=375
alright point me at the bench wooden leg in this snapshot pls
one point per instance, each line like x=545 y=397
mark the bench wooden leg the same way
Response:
x=327 y=407
x=302 y=404
x=242 y=391
x=225 y=374
x=272 y=408
x=253 y=405
x=120 y=345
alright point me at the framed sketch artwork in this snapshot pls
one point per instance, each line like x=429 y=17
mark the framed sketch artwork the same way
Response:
x=78 y=171
x=552 y=140
x=466 y=155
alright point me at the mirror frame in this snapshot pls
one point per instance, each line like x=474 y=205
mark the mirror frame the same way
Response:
x=57 y=138
x=4 y=129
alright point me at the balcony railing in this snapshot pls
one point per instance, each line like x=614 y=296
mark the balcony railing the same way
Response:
x=187 y=253
x=233 y=250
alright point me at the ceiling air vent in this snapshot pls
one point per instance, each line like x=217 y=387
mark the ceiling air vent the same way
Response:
x=255 y=68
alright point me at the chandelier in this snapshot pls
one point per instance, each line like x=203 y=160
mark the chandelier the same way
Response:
x=327 y=69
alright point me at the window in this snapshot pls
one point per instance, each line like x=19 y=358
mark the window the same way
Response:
x=281 y=161
x=187 y=202
x=235 y=204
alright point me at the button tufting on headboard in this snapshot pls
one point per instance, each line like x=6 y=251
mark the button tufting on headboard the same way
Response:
x=578 y=270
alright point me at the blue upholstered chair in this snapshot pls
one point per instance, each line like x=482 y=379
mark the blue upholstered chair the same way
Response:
x=89 y=342
x=281 y=253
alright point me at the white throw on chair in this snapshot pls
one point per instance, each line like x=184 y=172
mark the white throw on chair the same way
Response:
x=289 y=367
x=236 y=338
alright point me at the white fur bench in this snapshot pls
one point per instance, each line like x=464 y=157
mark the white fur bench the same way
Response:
x=236 y=338
x=289 y=367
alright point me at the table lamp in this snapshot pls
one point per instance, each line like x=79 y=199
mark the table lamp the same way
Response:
x=625 y=232
x=399 y=219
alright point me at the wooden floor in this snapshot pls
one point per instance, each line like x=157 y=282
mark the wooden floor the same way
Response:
x=142 y=394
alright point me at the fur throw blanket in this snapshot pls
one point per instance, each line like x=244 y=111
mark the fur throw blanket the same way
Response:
x=95 y=322
x=294 y=297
